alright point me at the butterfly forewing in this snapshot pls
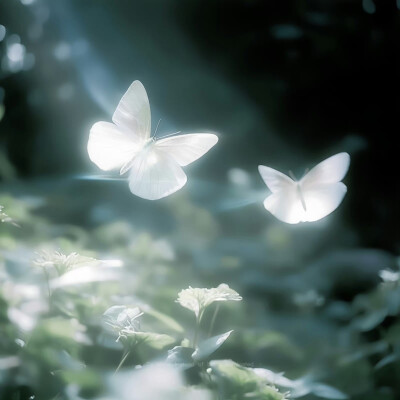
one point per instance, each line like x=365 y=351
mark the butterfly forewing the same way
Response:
x=331 y=170
x=109 y=147
x=275 y=180
x=185 y=149
x=133 y=112
x=154 y=175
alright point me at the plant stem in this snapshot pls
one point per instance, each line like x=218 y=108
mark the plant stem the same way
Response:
x=124 y=357
x=214 y=317
x=196 y=333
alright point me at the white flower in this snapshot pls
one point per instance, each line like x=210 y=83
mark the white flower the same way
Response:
x=198 y=299
x=62 y=262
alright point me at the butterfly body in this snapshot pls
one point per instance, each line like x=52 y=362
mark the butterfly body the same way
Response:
x=300 y=193
x=311 y=198
x=154 y=165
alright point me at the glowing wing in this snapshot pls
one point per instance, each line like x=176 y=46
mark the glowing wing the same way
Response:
x=286 y=206
x=275 y=180
x=133 y=112
x=331 y=170
x=284 y=202
x=110 y=147
x=321 y=187
x=321 y=201
x=154 y=175
x=185 y=149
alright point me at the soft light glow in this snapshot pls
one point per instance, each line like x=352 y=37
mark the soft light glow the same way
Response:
x=16 y=52
x=62 y=51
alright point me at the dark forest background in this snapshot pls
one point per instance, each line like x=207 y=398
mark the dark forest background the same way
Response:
x=285 y=84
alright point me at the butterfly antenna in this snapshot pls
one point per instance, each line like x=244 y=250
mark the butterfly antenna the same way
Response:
x=158 y=124
x=171 y=134
x=291 y=174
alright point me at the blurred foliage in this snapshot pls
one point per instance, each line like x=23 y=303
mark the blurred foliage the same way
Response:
x=69 y=320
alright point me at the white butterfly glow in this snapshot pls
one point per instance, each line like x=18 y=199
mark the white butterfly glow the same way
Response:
x=154 y=165
x=311 y=198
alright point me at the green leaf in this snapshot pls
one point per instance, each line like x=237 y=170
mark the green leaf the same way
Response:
x=85 y=379
x=181 y=357
x=236 y=382
x=371 y=320
x=387 y=360
x=300 y=387
x=154 y=340
x=207 y=347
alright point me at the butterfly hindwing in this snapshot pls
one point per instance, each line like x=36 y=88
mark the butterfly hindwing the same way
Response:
x=323 y=200
x=185 y=149
x=154 y=175
x=285 y=205
x=284 y=202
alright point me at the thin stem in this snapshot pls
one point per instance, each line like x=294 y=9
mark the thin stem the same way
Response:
x=124 y=357
x=214 y=317
x=196 y=333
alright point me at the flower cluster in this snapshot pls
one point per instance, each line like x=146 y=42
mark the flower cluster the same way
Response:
x=63 y=263
x=198 y=299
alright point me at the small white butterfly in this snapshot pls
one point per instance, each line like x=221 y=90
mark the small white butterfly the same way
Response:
x=315 y=196
x=154 y=165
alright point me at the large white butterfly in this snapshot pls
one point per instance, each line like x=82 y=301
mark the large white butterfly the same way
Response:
x=154 y=165
x=315 y=196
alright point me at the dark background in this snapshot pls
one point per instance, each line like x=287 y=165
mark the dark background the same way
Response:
x=284 y=84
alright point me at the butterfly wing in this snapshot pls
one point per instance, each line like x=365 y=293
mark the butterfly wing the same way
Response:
x=284 y=202
x=322 y=200
x=331 y=170
x=109 y=147
x=185 y=149
x=154 y=175
x=133 y=112
x=321 y=187
x=275 y=180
